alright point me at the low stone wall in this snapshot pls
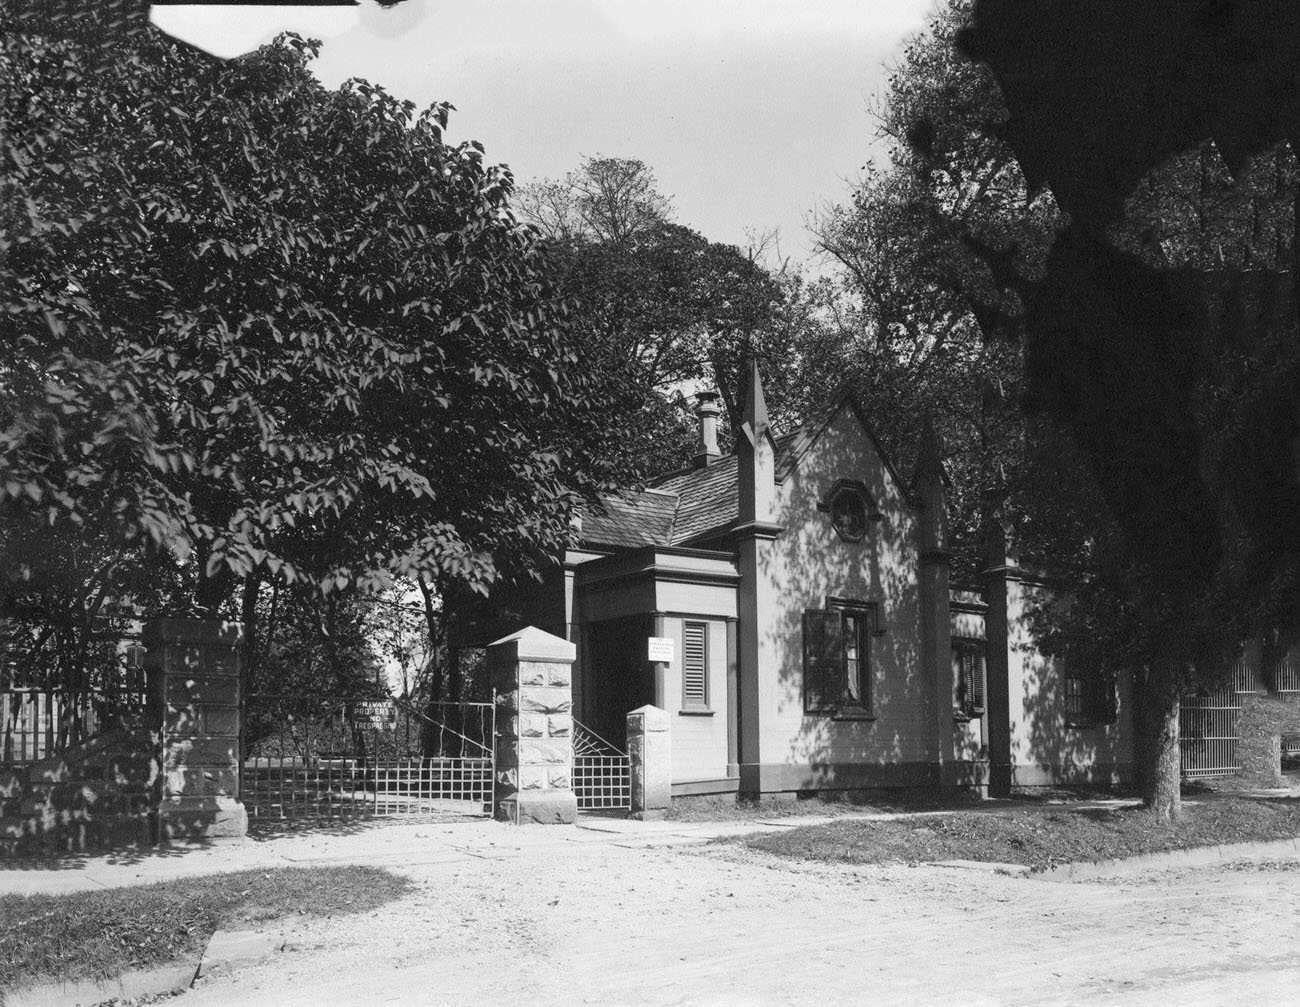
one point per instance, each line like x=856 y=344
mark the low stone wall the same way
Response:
x=103 y=794
x=1260 y=726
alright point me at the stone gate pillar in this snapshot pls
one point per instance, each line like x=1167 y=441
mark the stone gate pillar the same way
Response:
x=650 y=762
x=193 y=667
x=532 y=672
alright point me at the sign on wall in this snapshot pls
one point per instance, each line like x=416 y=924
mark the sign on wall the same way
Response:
x=660 y=649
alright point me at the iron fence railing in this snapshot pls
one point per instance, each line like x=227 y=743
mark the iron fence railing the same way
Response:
x=1207 y=724
x=1286 y=673
x=602 y=775
x=56 y=695
x=38 y=724
x=330 y=756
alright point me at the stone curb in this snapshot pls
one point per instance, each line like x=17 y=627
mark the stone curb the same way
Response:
x=988 y=866
x=128 y=986
x=232 y=949
x=1194 y=857
x=226 y=949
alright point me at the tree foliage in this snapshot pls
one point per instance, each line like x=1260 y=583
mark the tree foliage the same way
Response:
x=1147 y=444
x=605 y=200
x=661 y=307
x=286 y=330
x=940 y=248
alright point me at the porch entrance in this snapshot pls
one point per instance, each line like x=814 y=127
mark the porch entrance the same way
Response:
x=333 y=757
x=616 y=675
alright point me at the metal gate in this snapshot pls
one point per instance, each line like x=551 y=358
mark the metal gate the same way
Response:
x=1207 y=727
x=602 y=775
x=323 y=757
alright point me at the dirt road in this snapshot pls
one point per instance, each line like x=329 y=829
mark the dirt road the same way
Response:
x=584 y=921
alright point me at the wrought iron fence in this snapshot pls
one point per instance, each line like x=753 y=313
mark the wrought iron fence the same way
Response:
x=1207 y=724
x=1208 y=720
x=39 y=721
x=1286 y=674
x=332 y=756
x=602 y=776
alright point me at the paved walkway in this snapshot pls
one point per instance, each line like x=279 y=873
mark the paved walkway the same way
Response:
x=616 y=911
x=394 y=842
x=372 y=842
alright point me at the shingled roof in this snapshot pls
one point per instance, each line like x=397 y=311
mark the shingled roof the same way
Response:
x=699 y=504
x=678 y=510
x=631 y=520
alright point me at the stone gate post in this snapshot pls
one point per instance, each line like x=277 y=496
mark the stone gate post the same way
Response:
x=650 y=762
x=193 y=667
x=532 y=674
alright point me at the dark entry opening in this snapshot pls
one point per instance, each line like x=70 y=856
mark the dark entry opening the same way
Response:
x=618 y=677
x=1291 y=754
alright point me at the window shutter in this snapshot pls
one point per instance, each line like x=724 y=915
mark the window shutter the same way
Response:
x=695 y=664
x=823 y=650
x=978 y=671
x=968 y=665
x=1092 y=697
x=1076 y=708
x=1107 y=703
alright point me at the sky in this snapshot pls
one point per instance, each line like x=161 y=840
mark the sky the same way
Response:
x=751 y=113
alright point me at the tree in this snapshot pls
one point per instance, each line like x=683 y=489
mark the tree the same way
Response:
x=940 y=248
x=662 y=307
x=282 y=332
x=1194 y=443
x=1156 y=413
x=606 y=200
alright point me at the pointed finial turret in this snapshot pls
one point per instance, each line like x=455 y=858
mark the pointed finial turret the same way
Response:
x=755 y=457
x=755 y=420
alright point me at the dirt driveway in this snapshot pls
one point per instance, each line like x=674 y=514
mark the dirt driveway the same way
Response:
x=581 y=920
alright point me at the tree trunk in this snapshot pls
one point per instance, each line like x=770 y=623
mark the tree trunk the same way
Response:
x=248 y=615
x=1161 y=765
x=248 y=666
x=435 y=632
x=210 y=593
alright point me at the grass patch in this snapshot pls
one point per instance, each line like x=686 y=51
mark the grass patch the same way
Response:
x=1037 y=838
x=730 y=808
x=101 y=934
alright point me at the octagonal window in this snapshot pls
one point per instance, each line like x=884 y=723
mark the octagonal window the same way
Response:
x=849 y=514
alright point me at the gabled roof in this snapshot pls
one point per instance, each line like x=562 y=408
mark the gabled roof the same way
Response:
x=806 y=436
x=698 y=504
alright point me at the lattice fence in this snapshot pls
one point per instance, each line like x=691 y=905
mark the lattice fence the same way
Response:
x=602 y=775
x=327 y=757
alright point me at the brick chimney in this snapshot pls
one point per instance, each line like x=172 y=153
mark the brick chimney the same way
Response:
x=706 y=409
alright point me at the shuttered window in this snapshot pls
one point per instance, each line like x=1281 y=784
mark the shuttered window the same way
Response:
x=822 y=645
x=695 y=665
x=968 y=666
x=1090 y=698
x=837 y=660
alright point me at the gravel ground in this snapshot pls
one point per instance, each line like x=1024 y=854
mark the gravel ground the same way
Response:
x=561 y=916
